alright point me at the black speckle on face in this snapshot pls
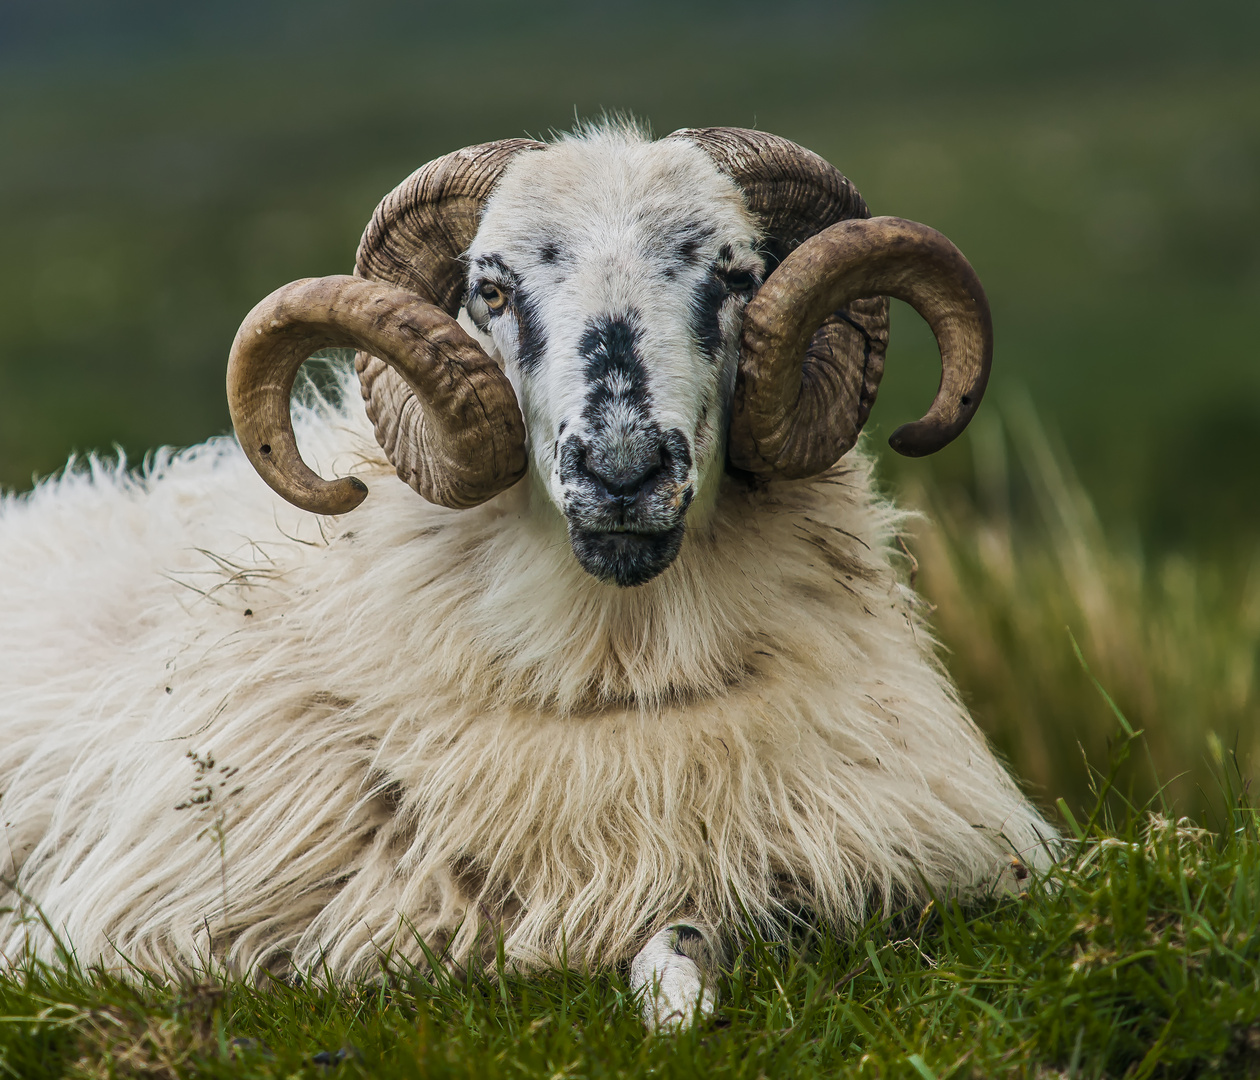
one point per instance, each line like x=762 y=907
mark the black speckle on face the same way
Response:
x=571 y=462
x=721 y=284
x=691 y=238
x=676 y=247
x=707 y=301
x=610 y=347
x=531 y=338
x=677 y=451
x=494 y=261
x=549 y=252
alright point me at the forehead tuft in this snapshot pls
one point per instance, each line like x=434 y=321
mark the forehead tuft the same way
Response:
x=607 y=182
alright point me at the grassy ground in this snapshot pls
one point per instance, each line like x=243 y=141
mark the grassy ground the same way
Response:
x=1139 y=957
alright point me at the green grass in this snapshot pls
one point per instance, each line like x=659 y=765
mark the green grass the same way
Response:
x=1138 y=957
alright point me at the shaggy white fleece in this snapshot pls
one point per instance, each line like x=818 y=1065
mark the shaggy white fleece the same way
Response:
x=231 y=729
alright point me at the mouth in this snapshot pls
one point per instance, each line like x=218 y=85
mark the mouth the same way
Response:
x=626 y=558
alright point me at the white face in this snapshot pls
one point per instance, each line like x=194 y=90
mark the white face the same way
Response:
x=610 y=275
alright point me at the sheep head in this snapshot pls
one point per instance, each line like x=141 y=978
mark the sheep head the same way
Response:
x=657 y=313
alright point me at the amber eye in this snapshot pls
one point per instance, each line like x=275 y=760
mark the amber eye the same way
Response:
x=741 y=282
x=495 y=298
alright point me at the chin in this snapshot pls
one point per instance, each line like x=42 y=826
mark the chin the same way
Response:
x=625 y=558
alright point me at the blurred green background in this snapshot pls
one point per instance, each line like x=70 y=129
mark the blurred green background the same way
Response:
x=162 y=167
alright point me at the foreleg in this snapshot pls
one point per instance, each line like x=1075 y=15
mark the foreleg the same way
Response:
x=674 y=974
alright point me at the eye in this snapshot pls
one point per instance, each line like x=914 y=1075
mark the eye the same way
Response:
x=741 y=281
x=495 y=298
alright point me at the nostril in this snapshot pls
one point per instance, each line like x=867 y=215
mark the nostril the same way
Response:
x=624 y=479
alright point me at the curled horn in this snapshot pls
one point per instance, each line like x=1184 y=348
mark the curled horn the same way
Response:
x=814 y=335
x=784 y=417
x=469 y=432
x=442 y=409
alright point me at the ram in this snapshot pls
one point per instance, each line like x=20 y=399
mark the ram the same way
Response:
x=637 y=666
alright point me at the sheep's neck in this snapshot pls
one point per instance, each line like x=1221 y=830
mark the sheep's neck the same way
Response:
x=748 y=585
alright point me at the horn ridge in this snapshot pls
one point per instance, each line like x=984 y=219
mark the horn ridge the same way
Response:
x=793 y=194
x=420 y=230
x=415 y=241
x=442 y=410
x=814 y=336
x=784 y=419
x=470 y=437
